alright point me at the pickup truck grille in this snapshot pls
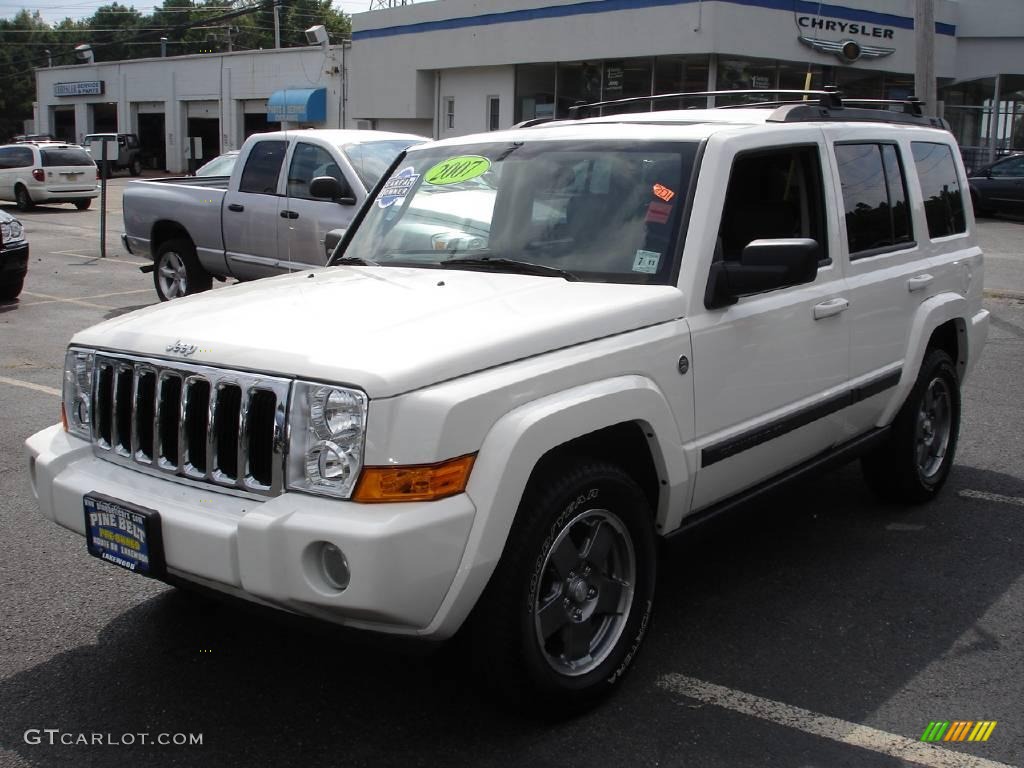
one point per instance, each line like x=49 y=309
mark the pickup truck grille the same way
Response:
x=205 y=424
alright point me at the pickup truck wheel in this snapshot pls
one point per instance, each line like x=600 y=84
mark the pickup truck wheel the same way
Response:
x=22 y=199
x=177 y=271
x=913 y=464
x=568 y=605
x=136 y=168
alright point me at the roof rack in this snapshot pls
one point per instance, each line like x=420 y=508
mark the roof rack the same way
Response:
x=827 y=104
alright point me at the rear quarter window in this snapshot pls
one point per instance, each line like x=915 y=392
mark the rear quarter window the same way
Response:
x=64 y=156
x=940 y=188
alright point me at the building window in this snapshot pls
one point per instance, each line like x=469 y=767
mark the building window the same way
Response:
x=493 y=113
x=449 y=108
x=535 y=91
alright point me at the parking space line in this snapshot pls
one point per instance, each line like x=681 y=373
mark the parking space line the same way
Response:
x=842 y=731
x=967 y=493
x=110 y=260
x=85 y=298
x=30 y=385
x=65 y=301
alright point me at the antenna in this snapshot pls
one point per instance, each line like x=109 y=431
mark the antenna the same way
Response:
x=376 y=5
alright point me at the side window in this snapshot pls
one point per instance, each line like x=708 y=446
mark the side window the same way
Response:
x=308 y=162
x=1012 y=167
x=7 y=157
x=23 y=158
x=263 y=167
x=874 y=198
x=775 y=194
x=940 y=188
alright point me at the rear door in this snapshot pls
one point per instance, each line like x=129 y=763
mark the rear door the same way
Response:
x=250 y=212
x=68 y=169
x=770 y=371
x=304 y=220
x=7 y=165
x=1005 y=185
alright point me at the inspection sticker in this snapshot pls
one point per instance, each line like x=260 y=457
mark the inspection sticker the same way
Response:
x=646 y=261
x=397 y=187
x=456 y=169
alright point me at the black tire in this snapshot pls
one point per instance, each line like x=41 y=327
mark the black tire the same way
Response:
x=914 y=462
x=136 y=167
x=9 y=290
x=83 y=205
x=570 y=506
x=23 y=199
x=178 y=255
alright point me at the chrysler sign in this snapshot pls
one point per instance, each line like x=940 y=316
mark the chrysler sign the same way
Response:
x=81 y=88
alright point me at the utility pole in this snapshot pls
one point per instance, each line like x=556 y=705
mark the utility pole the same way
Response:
x=277 y=24
x=924 y=55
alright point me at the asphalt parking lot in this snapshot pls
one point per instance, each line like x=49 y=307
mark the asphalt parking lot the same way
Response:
x=821 y=629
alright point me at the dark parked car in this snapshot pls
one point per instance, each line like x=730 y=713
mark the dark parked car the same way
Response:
x=13 y=257
x=999 y=186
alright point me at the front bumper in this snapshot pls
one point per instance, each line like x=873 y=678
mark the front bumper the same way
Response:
x=14 y=261
x=402 y=557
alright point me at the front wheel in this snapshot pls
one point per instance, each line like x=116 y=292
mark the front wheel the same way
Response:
x=914 y=462
x=569 y=603
x=177 y=271
x=136 y=168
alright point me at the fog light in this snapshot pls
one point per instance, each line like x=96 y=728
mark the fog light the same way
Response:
x=334 y=566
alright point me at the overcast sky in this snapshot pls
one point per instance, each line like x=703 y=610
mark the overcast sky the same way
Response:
x=57 y=10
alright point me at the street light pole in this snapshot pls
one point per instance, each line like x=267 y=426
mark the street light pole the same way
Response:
x=924 y=54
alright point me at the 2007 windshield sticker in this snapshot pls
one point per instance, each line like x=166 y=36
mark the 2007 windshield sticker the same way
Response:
x=397 y=187
x=456 y=169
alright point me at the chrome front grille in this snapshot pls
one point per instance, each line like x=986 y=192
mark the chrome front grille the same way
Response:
x=192 y=421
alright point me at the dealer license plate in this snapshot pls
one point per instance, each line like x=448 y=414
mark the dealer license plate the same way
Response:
x=124 y=534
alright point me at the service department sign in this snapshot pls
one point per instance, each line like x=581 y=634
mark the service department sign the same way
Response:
x=81 y=88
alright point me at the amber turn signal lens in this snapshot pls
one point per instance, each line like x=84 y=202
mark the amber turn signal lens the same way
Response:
x=63 y=417
x=422 y=482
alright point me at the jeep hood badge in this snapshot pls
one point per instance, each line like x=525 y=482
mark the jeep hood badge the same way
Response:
x=177 y=348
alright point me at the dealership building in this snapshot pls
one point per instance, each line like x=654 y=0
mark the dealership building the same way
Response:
x=453 y=67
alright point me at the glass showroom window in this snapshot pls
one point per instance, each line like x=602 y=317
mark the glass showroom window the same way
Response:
x=535 y=91
x=680 y=74
x=578 y=82
x=625 y=79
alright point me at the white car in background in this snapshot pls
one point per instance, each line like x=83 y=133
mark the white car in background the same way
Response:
x=47 y=172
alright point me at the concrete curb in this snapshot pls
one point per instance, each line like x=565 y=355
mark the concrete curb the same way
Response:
x=1018 y=295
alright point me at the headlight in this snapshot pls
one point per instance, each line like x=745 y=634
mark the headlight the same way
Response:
x=12 y=230
x=457 y=241
x=328 y=430
x=77 y=404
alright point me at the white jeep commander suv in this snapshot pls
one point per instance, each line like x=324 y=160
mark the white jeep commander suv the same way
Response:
x=536 y=352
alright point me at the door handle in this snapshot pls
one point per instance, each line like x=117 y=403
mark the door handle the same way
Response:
x=289 y=215
x=919 y=282
x=830 y=308
x=236 y=207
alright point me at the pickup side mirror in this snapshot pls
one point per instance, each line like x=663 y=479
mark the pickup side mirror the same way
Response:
x=764 y=265
x=330 y=188
x=332 y=240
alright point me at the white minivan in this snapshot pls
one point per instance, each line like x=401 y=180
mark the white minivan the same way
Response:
x=47 y=172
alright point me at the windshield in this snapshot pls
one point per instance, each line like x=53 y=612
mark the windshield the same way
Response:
x=602 y=211
x=219 y=166
x=371 y=159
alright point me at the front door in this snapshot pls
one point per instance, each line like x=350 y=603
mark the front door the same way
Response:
x=304 y=220
x=770 y=370
x=250 y=213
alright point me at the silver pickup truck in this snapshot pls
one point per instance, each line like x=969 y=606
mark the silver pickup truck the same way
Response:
x=262 y=220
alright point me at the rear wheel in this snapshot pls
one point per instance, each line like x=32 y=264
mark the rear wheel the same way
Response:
x=177 y=271
x=23 y=199
x=83 y=205
x=568 y=605
x=913 y=464
x=10 y=289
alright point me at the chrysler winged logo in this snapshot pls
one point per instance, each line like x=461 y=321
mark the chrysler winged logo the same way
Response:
x=846 y=50
x=177 y=348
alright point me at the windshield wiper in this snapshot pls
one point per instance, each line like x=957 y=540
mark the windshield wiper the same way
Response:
x=358 y=260
x=499 y=264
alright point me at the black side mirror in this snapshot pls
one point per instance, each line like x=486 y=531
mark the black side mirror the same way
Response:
x=764 y=265
x=332 y=240
x=330 y=188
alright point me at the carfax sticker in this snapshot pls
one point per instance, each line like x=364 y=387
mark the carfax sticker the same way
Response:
x=456 y=169
x=397 y=187
x=646 y=261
